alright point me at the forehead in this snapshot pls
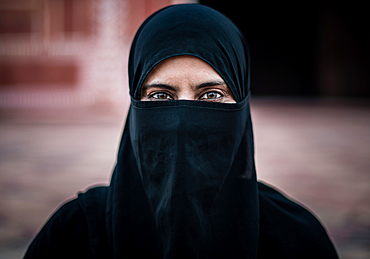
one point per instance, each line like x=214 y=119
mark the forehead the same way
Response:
x=182 y=68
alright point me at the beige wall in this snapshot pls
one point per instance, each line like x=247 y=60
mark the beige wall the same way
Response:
x=68 y=53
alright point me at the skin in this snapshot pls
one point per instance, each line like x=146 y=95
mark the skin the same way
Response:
x=185 y=78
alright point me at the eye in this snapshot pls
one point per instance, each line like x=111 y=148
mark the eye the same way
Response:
x=160 y=96
x=211 y=96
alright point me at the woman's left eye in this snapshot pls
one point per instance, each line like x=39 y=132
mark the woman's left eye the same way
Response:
x=211 y=96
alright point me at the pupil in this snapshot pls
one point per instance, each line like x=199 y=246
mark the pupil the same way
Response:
x=211 y=95
x=162 y=96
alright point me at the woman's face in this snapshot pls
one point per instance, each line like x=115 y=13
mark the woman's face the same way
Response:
x=185 y=78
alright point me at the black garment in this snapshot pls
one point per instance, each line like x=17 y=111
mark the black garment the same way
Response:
x=185 y=183
x=76 y=229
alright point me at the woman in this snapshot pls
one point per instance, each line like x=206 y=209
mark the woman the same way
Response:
x=185 y=183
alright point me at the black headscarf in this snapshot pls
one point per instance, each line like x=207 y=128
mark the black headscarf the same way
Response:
x=185 y=183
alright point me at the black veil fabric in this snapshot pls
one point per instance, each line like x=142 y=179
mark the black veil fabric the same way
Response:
x=185 y=182
x=184 y=185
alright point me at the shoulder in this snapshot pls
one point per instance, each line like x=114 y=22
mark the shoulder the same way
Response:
x=290 y=230
x=66 y=233
x=94 y=206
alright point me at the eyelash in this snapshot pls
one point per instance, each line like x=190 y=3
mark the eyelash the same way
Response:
x=169 y=97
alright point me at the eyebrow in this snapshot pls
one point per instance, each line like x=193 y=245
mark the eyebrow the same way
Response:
x=163 y=86
x=174 y=88
x=211 y=83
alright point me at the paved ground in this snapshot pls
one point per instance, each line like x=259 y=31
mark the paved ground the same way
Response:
x=317 y=152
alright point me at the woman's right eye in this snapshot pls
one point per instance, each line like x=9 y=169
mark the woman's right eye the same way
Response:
x=160 y=96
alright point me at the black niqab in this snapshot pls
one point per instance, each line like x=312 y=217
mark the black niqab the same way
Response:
x=194 y=159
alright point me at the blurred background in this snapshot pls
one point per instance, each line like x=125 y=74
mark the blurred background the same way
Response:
x=64 y=100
